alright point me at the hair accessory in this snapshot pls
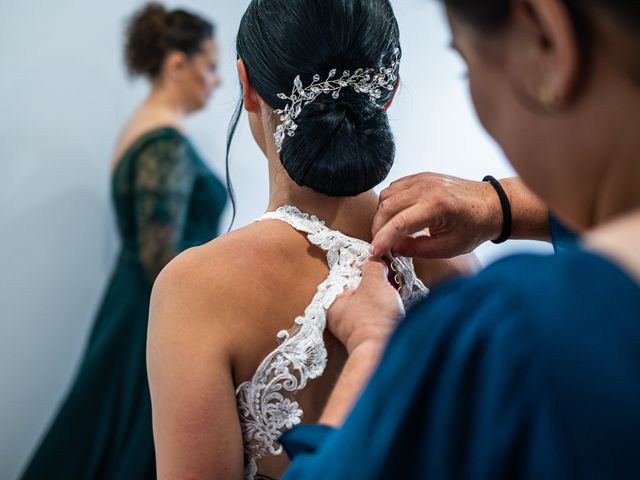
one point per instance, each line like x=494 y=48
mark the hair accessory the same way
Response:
x=363 y=81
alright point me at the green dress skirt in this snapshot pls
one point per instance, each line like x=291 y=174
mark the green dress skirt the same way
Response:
x=166 y=201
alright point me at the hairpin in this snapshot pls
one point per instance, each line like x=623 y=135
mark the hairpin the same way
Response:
x=366 y=81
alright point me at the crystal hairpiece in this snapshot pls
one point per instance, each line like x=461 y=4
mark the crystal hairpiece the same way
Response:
x=367 y=81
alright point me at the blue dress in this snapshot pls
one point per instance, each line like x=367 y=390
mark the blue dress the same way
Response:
x=166 y=200
x=530 y=370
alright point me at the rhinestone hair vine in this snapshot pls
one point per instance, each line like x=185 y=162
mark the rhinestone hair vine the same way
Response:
x=366 y=81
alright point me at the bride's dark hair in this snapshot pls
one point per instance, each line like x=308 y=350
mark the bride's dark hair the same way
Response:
x=342 y=147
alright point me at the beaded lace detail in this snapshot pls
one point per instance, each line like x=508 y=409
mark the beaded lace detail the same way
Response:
x=266 y=403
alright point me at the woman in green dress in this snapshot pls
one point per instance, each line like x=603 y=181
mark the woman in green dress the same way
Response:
x=166 y=200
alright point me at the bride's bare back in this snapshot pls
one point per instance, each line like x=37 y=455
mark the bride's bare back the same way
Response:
x=216 y=314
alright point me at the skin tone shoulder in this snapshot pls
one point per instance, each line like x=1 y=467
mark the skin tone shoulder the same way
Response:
x=205 y=332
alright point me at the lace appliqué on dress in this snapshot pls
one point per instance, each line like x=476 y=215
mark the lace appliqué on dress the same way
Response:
x=163 y=183
x=266 y=403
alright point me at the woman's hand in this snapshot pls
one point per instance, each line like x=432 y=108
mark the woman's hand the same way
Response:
x=368 y=315
x=363 y=320
x=460 y=215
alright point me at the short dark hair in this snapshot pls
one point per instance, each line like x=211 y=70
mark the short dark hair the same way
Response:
x=153 y=32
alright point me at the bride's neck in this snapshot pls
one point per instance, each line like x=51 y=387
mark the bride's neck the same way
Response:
x=352 y=216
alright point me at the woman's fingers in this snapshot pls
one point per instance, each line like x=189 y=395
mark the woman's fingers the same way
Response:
x=368 y=313
x=404 y=224
x=391 y=206
x=374 y=276
x=397 y=186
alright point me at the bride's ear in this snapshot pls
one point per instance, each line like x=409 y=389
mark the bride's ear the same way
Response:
x=393 y=95
x=249 y=95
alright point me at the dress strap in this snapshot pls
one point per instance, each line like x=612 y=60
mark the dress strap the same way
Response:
x=303 y=222
x=317 y=231
x=346 y=255
x=267 y=403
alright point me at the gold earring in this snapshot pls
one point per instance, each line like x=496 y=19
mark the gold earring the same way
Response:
x=549 y=100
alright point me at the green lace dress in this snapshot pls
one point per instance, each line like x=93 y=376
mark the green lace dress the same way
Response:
x=166 y=201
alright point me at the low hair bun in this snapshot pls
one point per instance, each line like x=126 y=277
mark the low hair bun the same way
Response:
x=343 y=147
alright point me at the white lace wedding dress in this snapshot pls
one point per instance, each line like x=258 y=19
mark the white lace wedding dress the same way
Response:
x=267 y=403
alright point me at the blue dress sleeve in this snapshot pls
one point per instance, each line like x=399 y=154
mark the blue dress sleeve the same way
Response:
x=561 y=237
x=459 y=395
x=305 y=439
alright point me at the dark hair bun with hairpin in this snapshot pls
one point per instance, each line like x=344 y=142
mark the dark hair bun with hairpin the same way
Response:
x=343 y=146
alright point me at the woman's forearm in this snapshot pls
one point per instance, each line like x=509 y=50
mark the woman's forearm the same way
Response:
x=530 y=214
x=354 y=377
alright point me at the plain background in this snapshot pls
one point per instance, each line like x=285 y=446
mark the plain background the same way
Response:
x=64 y=96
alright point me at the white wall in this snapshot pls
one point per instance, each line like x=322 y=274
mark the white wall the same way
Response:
x=63 y=98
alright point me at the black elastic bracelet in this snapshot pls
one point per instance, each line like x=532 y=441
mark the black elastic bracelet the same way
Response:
x=507 y=218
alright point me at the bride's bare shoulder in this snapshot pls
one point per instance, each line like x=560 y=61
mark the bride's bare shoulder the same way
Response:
x=254 y=246
x=255 y=279
x=246 y=260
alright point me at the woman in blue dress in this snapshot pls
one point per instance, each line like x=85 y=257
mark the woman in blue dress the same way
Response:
x=166 y=200
x=531 y=369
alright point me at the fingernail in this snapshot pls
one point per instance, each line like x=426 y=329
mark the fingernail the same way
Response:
x=372 y=249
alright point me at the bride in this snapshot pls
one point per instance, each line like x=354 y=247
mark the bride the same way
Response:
x=237 y=348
